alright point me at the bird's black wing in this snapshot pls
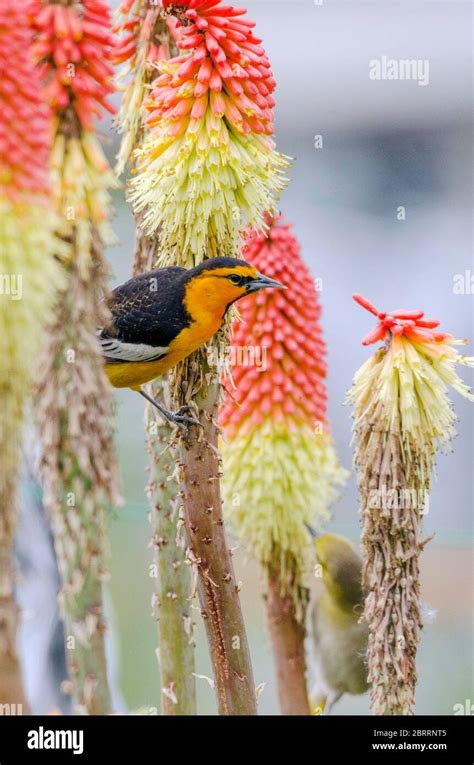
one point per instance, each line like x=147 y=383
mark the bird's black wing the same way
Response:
x=147 y=314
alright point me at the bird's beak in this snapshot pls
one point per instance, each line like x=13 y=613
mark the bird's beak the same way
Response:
x=315 y=534
x=261 y=282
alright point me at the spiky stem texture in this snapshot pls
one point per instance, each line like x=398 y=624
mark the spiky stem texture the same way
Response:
x=171 y=603
x=200 y=467
x=150 y=40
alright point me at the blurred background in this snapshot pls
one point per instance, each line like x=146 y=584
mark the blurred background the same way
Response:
x=385 y=145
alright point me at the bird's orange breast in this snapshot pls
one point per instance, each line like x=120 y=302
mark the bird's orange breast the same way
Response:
x=132 y=374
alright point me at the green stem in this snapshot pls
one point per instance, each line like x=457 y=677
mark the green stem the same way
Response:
x=79 y=535
x=173 y=592
x=84 y=627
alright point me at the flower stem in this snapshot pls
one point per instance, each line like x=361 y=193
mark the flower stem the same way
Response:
x=173 y=581
x=218 y=589
x=287 y=636
x=78 y=472
x=84 y=623
x=11 y=684
x=171 y=604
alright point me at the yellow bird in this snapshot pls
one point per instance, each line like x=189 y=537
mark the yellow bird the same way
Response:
x=340 y=642
x=162 y=316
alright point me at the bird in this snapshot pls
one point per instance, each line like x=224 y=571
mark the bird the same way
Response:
x=160 y=317
x=339 y=640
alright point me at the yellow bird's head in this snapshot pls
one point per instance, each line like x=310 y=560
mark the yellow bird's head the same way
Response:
x=341 y=568
x=218 y=282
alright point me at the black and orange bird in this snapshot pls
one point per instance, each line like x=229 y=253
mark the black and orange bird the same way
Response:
x=160 y=317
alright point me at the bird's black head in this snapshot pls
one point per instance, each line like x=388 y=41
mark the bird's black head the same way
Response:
x=231 y=278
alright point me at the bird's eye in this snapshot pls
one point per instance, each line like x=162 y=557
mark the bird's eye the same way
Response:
x=235 y=279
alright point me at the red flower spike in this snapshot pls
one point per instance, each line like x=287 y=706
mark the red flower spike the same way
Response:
x=222 y=54
x=73 y=46
x=401 y=322
x=290 y=383
x=25 y=121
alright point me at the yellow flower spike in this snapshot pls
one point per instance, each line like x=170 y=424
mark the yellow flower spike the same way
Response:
x=228 y=173
x=276 y=419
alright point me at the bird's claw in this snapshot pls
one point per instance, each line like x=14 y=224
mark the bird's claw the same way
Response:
x=182 y=418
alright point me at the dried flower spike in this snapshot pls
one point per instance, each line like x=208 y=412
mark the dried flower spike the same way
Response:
x=402 y=414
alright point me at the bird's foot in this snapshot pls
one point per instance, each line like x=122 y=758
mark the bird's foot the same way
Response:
x=183 y=418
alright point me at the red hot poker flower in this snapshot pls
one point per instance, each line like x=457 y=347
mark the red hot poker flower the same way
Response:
x=400 y=322
x=226 y=61
x=25 y=128
x=285 y=324
x=279 y=458
x=74 y=49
